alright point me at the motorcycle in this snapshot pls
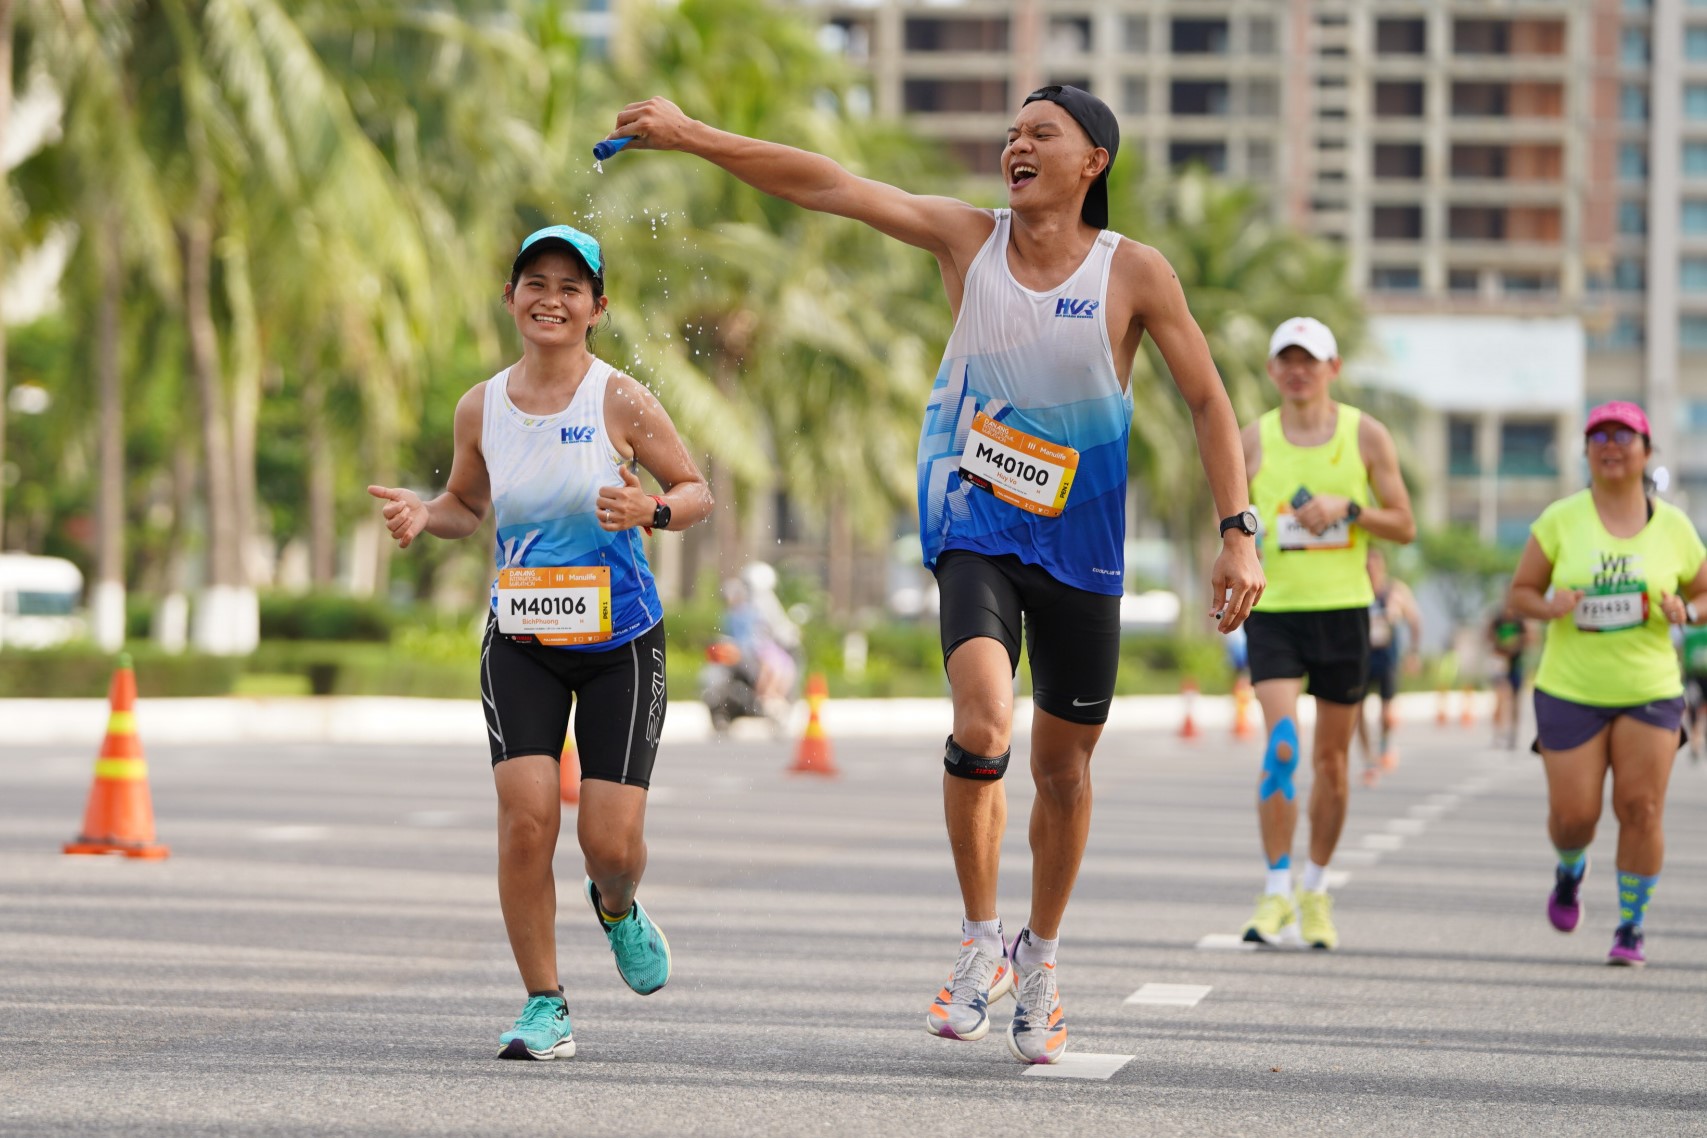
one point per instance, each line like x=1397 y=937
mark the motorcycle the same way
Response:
x=726 y=686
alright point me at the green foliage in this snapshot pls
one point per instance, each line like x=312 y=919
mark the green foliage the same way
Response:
x=1472 y=573
x=325 y=616
x=82 y=671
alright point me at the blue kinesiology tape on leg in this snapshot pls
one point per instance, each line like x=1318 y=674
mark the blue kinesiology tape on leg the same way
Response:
x=1277 y=772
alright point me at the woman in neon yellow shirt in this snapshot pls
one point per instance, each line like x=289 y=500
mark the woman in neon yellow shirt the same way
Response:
x=1608 y=568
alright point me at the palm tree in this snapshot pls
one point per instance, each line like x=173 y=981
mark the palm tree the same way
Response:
x=1242 y=275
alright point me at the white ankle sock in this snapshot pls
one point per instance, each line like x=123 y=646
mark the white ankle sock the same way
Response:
x=1280 y=881
x=988 y=934
x=1315 y=878
x=1032 y=951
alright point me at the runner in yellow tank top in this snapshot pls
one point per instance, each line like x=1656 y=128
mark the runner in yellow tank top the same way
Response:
x=1313 y=463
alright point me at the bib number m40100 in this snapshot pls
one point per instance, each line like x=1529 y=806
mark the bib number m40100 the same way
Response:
x=1022 y=470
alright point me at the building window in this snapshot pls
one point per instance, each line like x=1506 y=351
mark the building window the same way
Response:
x=1625 y=332
x=1529 y=449
x=1461 y=447
x=1069 y=35
x=1472 y=160
x=1695 y=216
x=1692 y=330
x=1516 y=283
x=934 y=35
x=1695 y=42
x=1261 y=33
x=1397 y=223
x=1259 y=158
x=1137 y=37
x=1692 y=274
x=1695 y=159
x=1633 y=47
x=1633 y=103
x=1395 y=278
x=1135 y=94
x=955 y=96
x=1695 y=101
x=1262 y=98
x=1402 y=160
x=1464 y=282
x=1396 y=100
x=1401 y=37
x=1632 y=161
x=1198 y=97
x=1210 y=155
x=1200 y=37
x=1481 y=37
x=1629 y=274
x=1476 y=223
x=1480 y=100
x=1632 y=218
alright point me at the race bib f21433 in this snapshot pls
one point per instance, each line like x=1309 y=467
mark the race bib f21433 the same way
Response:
x=1022 y=470
x=1612 y=612
x=556 y=606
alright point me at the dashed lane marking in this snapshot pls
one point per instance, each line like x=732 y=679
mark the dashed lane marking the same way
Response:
x=1077 y=1065
x=293 y=833
x=1226 y=942
x=1408 y=827
x=1336 y=879
x=1170 y=995
x=1361 y=858
x=1386 y=842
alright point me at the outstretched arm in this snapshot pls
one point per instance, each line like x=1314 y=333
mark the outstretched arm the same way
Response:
x=941 y=226
x=1163 y=313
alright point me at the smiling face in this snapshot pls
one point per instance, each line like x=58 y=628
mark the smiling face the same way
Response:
x=1049 y=161
x=1300 y=376
x=1616 y=453
x=555 y=300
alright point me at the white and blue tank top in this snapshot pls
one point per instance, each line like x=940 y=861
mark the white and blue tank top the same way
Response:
x=546 y=472
x=1040 y=363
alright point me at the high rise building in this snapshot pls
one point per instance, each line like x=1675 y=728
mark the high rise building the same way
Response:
x=1507 y=159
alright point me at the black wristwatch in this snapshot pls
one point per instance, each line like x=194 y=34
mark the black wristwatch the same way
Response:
x=1245 y=521
x=1352 y=510
x=660 y=514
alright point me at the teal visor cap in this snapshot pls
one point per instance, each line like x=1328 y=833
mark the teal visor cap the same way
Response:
x=585 y=247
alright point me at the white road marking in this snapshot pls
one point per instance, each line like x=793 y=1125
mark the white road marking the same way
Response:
x=1427 y=811
x=1444 y=801
x=1410 y=827
x=1363 y=858
x=1078 y=1065
x=293 y=833
x=1336 y=879
x=1387 y=842
x=1170 y=995
x=1226 y=942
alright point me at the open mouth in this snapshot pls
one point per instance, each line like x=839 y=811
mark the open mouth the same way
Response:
x=543 y=318
x=1021 y=173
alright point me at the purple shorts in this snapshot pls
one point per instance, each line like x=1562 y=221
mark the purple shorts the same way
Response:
x=1561 y=724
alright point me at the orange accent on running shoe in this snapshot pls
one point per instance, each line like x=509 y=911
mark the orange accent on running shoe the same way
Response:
x=939 y=1011
x=945 y=994
x=1058 y=1037
x=965 y=942
x=1055 y=1016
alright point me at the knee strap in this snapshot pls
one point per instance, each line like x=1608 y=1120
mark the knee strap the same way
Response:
x=1276 y=771
x=963 y=764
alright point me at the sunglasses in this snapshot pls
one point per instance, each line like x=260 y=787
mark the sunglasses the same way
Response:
x=1623 y=436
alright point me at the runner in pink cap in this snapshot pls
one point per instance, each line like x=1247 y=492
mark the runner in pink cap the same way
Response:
x=1624 y=414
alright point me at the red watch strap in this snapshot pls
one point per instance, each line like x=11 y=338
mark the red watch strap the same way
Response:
x=660 y=501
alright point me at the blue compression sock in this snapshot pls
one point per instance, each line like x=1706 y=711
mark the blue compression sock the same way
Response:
x=1634 y=893
x=1572 y=860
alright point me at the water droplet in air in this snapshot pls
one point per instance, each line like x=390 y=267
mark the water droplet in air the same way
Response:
x=598 y=167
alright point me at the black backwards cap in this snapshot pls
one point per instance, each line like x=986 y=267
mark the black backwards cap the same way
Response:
x=1099 y=122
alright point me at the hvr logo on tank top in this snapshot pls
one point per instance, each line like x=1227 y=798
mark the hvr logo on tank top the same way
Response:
x=576 y=434
x=1066 y=306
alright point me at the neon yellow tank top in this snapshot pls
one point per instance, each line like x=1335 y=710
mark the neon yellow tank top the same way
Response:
x=1306 y=572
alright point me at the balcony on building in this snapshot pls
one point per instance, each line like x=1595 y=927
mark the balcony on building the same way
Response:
x=1199 y=36
x=1514 y=225
x=1199 y=97
x=1398 y=161
x=1401 y=36
x=945 y=35
x=1527 y=99
x=1399 y=99
x=1507 y=162
x=1513 y=37
x=970 y=96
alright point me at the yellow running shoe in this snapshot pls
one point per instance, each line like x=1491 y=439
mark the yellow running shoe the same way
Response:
x=1316 y=920
x=1274 y=913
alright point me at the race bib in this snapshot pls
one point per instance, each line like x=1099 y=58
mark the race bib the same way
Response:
x=1291 y=534
x=1612 y=612
x=555 y=606
x=1020 y=469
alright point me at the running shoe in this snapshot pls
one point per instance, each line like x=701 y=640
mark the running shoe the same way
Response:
x=1274 y=914
x=542 y=1031
x=962 y=1009
x=1390 y=760
x=641 y=950
x=1627 y=947
x=1316 y=920
x=1038 y=1033
x=1564 y=904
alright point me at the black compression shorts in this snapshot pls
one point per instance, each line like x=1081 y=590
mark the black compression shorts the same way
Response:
x=1072 y=635
x=1330 y=646
x=618 y=695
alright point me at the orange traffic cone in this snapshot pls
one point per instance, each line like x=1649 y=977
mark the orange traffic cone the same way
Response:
x=814 y=756
x=1242 y=726
x=1188 y=689
x=120 y=815
x=569 y=772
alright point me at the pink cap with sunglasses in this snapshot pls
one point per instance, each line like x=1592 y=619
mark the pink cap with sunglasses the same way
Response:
x=1621 y=413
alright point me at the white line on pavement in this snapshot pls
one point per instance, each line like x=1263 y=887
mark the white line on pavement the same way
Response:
x=1170 y=995
x=1427 y=811
x=1077 y=1065
x=1226 y=942
x=1409 y=827
x=1388 y=842
x=1336 y=879
x=1363 y=858
x=293 y=833
x=1444 y=801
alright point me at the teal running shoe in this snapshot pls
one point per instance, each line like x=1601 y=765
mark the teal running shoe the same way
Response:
x=542 y=1031
x=641 y=950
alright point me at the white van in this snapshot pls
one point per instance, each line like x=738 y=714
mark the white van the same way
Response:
x=40 y=601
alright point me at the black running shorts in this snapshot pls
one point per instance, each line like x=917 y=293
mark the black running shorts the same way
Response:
x=1330 y=646
x=1072 y=636
x=618 y=695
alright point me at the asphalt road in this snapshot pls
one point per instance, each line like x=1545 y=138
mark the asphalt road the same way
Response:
x=323 y=954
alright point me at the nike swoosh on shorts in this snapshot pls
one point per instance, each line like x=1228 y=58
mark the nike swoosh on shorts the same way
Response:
x=1077 y=702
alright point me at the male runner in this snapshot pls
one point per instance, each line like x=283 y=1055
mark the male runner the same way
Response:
x=1313 y=462
x=1393 y=605
x=1022 y=491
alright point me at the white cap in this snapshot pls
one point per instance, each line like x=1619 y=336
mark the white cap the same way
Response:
x=1308 y=333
